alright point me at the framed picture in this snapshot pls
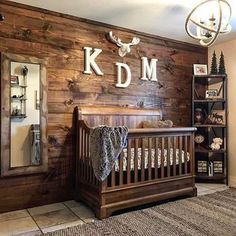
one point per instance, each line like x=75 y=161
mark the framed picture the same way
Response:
x=14 y=79
x=212 y=93
x=200 y=69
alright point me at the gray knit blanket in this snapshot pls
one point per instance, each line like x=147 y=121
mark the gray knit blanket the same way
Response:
x=106 y=144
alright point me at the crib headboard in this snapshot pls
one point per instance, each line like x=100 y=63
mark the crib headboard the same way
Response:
x=114 y=116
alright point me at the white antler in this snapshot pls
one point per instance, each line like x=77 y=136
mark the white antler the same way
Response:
x=115 y=39
x=124 y=48
x=135 y=41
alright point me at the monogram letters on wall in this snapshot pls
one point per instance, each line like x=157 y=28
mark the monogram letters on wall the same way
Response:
x=148 y=69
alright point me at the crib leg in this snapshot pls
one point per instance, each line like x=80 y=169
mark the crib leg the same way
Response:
x=102 y=213
x=194 y=191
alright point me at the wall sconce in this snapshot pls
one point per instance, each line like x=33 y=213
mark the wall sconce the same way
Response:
x=207 y=20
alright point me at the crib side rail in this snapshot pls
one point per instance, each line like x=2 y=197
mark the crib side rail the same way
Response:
x=151 y=155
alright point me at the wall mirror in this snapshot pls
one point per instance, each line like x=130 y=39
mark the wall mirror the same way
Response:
x=23 y=115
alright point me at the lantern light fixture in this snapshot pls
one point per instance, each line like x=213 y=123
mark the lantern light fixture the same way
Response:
x=208 y=20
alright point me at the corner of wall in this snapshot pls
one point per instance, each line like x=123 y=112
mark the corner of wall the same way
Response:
x=232 y=181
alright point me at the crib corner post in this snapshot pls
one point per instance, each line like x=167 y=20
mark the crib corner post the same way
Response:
x=103 y=185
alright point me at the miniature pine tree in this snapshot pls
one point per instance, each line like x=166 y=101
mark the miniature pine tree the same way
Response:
x=214 y=64
x=222 y=64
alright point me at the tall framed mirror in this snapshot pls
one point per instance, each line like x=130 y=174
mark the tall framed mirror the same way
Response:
x=23 y=115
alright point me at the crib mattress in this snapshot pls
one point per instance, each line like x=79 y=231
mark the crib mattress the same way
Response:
x=152 y=158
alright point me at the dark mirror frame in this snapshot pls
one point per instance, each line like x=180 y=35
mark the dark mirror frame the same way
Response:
x=6 y=170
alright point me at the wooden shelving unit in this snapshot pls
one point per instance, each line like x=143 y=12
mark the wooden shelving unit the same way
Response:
x=211 y=165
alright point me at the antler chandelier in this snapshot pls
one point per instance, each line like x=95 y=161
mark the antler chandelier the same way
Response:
x=207 y=20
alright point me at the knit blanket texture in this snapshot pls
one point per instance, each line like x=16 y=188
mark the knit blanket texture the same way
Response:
x=106 y=144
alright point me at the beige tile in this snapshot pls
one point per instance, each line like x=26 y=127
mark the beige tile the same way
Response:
x=31 y=233
x=83 y=212
x=72 y=203
x=201 y=189
x=62 y=226
x=53 y=218
x=14 y=215
x=89 y=220
x=222 y=188
x=213 y=186
x=46 y=209
x=201 y=193
x=210 y=191
x=18 y=226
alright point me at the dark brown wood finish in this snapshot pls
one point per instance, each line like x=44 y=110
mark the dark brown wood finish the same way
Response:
x=144 y=184
x=61 y=38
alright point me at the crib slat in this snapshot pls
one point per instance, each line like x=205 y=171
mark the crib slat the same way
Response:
x=174 y=156
x=82 y=154
x=168 y=157
x=180 y=155
x=121 y=168
x=113 y=177
x=128 y=161
x=87 y=157
x=185 y=154
x=191 y=154
x=79 y=152
x=156 y=158
x=162 y=156
x=143 y=161
x=136 y=161
x=149 y=158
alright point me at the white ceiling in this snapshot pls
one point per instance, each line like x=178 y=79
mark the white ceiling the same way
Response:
x=164 y=18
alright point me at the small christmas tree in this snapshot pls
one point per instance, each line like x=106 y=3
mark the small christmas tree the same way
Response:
x=214 y=64
x=222 y=64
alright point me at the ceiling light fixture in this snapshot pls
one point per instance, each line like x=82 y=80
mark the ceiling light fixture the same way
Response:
x=207 y=20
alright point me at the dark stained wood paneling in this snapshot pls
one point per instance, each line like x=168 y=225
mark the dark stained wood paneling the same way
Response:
x=60 y=39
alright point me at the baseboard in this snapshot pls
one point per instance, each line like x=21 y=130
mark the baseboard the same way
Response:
x=232 y=181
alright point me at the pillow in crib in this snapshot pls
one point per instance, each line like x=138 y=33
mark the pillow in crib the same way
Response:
x=157 y=124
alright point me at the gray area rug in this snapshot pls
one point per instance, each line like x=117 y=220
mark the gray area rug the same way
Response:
x=209 y=215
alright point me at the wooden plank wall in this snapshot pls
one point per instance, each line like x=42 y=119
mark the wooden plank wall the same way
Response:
x=60 y=39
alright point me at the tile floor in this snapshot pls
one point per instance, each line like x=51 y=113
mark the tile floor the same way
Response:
x=48 y=218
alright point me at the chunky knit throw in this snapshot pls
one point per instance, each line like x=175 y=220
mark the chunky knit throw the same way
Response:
x=106 y=144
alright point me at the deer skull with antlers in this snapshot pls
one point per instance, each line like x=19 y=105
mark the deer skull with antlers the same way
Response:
x=124 y=48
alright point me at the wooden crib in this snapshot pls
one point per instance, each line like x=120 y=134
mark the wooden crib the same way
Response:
x=153 y=171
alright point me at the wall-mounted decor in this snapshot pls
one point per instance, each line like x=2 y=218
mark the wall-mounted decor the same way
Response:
x=24 y=139
x=123 y=70
x=200 y=69
x=124 y=48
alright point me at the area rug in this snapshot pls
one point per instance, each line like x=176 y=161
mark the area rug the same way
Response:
x=208 y=215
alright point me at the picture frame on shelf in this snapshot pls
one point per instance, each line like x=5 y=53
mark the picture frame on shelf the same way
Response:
x=211 y=93
x=14 y=80
x=200 y=69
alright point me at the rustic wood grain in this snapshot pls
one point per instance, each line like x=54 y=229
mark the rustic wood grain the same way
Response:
x=60 y=39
